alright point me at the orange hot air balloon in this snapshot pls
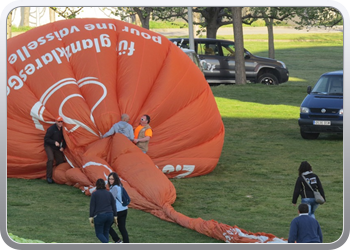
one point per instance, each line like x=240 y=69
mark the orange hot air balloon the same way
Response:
x=89 y=72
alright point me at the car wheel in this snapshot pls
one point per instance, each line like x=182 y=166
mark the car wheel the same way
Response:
x=309 y=136
x=268 y=79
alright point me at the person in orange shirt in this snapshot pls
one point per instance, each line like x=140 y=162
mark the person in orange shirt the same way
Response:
x=143 y=133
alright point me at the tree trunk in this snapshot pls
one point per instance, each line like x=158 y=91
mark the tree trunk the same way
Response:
x=196 y=19
x=269 y=24
x=144 y=17
x=138 y=21
x=25 y=12
x=145 y=22
x=212 y=23
x=211 y=31
x=9 y=25
x=240 y=75
x=52 y=15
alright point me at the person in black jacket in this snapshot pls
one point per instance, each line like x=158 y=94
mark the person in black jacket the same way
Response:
x=103 y=211
x=303 y=189
x=54 y=145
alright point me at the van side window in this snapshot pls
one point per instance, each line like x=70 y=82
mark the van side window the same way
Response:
x=336 y=85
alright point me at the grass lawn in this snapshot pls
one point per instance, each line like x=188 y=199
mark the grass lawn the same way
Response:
x=252 y=185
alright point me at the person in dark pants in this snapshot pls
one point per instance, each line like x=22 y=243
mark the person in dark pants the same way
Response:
x=103 y=211
x=54 y=145
x=304 y=228
x=115 y=188
x=302 y=188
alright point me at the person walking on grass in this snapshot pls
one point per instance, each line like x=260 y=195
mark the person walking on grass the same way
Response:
x=304 y=228
x=115 y=188
x=103 y=211
x=302 y=188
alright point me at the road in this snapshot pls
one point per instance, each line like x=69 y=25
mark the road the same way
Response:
x=252 y=30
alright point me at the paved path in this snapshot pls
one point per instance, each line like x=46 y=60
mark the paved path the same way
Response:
x=252 y=30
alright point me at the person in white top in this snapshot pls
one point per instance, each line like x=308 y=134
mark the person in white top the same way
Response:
x=115 y=184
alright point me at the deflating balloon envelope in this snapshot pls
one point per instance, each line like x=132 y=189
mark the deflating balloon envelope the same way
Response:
x=90 y=71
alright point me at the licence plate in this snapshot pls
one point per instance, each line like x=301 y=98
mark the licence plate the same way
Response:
x=327 y=123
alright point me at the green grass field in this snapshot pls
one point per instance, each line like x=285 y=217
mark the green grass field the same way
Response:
x=252 y=185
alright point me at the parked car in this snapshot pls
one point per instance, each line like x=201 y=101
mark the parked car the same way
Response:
x=322 y=109
x=194 y=57
x=218 y=56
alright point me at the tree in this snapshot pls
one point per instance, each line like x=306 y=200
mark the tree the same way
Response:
x=212 y=18
x=144 y=13
x=303 y=17
x=52 y=15
x=25 y=12
x=9 y=25
x=127 y=13
x=327 y=17
x=196 y=19
x=240 y=76
x=67 y=12
x=271 y=15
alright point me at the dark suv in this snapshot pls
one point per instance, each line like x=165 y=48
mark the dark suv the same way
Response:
x=322 y=109
x=218 y=59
